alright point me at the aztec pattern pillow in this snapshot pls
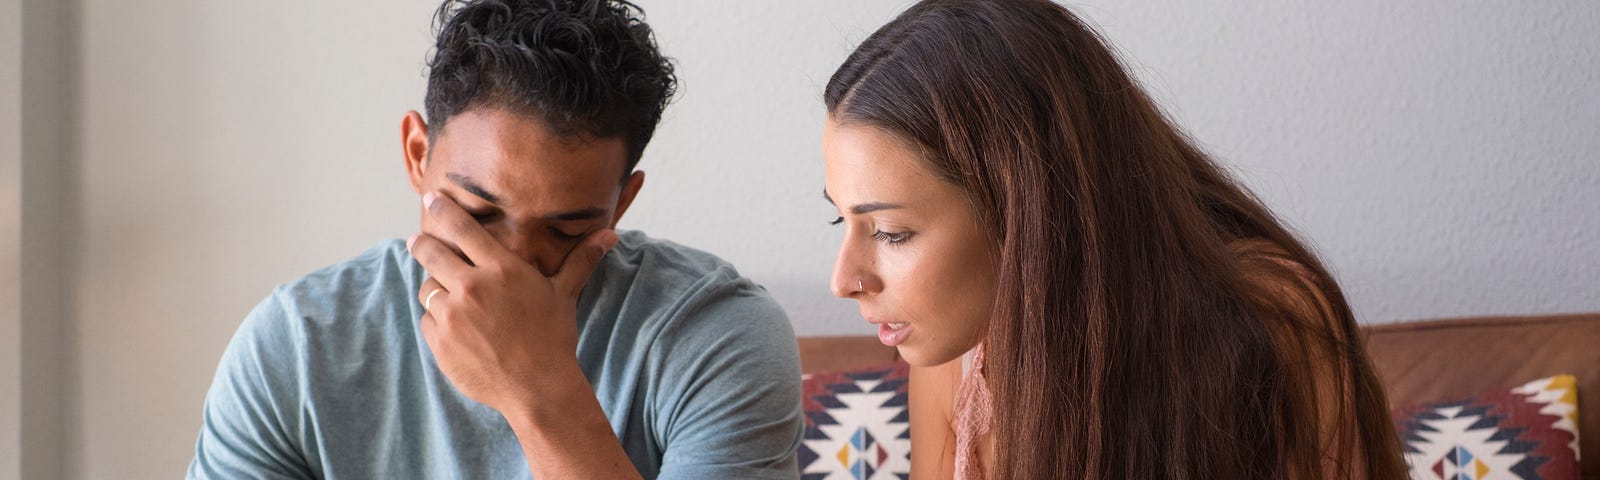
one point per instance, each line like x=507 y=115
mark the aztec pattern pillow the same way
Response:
x=1526 y=432
x=857 y=427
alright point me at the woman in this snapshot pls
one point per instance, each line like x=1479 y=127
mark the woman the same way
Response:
x=1082 y=293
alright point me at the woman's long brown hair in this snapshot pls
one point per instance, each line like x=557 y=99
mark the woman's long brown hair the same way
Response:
x=1152 y=318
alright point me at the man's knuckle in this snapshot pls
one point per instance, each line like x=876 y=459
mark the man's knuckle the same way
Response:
x=504 y=275
x=462 y=223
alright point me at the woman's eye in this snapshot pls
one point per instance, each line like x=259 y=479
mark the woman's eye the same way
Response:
x=836 y=221
x=895 y=238
x=484 y=217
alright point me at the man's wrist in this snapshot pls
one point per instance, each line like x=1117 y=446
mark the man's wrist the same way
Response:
x=564 y=431
x=557 y=390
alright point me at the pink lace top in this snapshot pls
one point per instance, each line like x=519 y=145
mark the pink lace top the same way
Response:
x=972 y=408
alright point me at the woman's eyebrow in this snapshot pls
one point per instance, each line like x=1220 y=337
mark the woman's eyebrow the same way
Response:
x=873 y=207
x=864 y=208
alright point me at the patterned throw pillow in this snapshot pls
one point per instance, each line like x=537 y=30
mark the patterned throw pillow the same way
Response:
x=1524 y=432
x=856 y=425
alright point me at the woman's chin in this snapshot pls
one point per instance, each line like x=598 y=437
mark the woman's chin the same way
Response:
x=925 y=357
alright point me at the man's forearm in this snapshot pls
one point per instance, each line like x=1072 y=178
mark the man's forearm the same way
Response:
x=564 y=432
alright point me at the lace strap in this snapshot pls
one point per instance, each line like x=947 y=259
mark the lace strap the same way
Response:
x=973 y=406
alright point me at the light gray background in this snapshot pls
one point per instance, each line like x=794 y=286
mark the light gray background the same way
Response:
x=181 y=157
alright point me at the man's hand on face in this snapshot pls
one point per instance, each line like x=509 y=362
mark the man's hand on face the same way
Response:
x=496 y=325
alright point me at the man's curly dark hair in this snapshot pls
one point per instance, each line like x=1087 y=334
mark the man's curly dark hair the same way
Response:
x=588 y=68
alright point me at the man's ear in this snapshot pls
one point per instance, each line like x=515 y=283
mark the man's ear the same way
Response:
x=414 y=142
x=630 y=189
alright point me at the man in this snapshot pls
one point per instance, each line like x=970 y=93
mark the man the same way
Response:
x=517 y=333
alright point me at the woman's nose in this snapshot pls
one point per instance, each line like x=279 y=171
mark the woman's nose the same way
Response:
x=848 y=274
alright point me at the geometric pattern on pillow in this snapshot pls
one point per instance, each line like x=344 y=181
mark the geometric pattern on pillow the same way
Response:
x=1525 y=432
x=857 y=426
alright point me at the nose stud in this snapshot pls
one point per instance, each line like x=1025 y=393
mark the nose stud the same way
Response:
x=859 y=287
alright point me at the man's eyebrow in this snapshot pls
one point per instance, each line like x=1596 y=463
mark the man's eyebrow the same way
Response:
x=864 y=208
x=584 y=214
x=472 y=187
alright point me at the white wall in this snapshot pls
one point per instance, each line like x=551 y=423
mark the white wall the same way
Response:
x=226 y=147
x=737 y=164
x=10 y=239
x=36 y=160
x=1441 y=155
x=1444 y=156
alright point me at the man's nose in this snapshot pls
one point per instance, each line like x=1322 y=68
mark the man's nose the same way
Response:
x=541 y=253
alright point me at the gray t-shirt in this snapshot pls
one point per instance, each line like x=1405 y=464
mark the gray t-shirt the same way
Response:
x=694 y=365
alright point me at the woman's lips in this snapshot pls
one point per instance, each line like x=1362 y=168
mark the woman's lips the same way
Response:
x=893 y=333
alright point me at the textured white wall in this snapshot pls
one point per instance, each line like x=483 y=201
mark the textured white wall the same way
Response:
x=1440 y=154
x=1443 y=156
x=737 y=164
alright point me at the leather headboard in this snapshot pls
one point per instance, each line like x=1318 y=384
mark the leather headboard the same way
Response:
x=822 y=354
x=1448 y=359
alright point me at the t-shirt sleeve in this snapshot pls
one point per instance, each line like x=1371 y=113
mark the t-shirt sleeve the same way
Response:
x=729 y=389
x=252 y=408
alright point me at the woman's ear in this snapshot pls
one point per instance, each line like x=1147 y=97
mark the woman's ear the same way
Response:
x=414 y=144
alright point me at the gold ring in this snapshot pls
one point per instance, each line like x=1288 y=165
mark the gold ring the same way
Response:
x=429 y=299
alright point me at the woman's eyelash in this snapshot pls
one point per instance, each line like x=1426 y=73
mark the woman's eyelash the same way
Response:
x=892 y=238
x=895 y=238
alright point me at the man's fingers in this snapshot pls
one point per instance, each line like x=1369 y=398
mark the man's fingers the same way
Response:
x=575 y=270
x=432 y=294
x=430 y=331
x=442 y=263
x=454 y=226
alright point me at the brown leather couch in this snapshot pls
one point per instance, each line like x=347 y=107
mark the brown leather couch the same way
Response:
x=1424 y=361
